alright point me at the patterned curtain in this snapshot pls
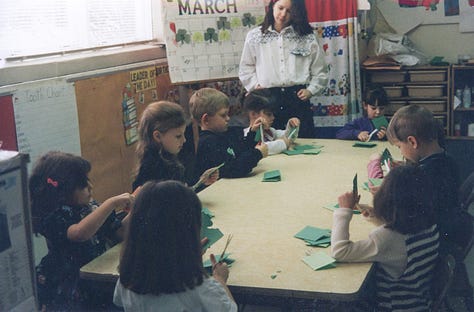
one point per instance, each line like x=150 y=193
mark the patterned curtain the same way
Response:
x=335 y=22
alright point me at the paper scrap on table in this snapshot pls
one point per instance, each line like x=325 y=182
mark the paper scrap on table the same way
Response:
x=314 y=236
x=364 y=144
x=272 y=176
x=319 y=261
x=304 y=149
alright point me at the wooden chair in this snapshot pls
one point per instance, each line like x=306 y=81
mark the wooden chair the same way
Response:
x=442 y=279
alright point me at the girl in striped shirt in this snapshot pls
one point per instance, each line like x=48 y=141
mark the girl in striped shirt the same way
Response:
x=404 y=246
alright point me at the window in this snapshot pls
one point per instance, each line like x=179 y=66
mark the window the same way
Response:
x=32 y=27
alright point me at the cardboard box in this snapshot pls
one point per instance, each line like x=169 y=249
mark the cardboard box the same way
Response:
x=388 y=76
x=393 y=106
x=393 y=91
x=425 y=91
x=427 y=75
x=434 y=106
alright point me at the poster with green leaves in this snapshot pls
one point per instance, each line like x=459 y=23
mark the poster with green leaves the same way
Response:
x=204 y=38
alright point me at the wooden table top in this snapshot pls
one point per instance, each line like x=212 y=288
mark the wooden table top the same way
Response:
x=263 y=218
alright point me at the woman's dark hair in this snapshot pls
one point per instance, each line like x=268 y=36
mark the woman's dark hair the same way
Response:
x=162 y=248
x=405 y=200
x=55 y=177
x=298 y=18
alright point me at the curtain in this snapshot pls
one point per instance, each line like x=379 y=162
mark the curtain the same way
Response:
x=335 y=23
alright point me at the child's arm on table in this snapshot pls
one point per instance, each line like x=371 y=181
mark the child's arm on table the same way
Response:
x=88 y=226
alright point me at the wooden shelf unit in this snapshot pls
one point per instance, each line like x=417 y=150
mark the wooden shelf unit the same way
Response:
x=462 y=75
x=429 y=86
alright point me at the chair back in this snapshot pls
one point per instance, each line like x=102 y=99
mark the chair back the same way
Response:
x=442 y=279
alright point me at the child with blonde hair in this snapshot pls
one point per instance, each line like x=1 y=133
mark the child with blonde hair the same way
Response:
x=219 y=144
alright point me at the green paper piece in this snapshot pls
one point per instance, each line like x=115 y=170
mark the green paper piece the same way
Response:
x=375 y=181
x=205 y=220
x=293 y=132
x=304 y=147
x=206 y=211
x=273 y=276
x=355 y=190
x=258 y=135
x=272 y=176
x=380 y=122
x=213 y=235
x=313 y=151
x=364 y=144
x=312 y=233
x=207 y=263
x=333 y=207
x=386 y=156
x=324 y=241
x=319 y=261
x=365 y=186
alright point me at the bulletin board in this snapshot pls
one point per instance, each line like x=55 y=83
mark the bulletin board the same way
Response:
x=109 y=108
x=204 y=39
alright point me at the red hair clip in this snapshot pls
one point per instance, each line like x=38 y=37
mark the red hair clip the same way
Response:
x=52 y=182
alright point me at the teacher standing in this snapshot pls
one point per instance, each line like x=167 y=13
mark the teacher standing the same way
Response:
x=283 y=54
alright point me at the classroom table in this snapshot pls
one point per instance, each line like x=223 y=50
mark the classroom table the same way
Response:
x=263 y=218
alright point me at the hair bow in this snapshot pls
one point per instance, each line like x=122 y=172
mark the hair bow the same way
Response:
x=52 y=182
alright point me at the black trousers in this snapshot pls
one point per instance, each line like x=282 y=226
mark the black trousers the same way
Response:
x=287 y=105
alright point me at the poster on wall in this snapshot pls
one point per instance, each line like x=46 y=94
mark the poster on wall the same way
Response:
x=204 y=38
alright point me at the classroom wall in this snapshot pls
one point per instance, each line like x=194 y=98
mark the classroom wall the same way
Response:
x=435 y=36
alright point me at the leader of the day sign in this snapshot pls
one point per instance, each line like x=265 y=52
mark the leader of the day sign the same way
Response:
x=204 y=38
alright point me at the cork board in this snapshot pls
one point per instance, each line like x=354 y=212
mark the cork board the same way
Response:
x=102 y=126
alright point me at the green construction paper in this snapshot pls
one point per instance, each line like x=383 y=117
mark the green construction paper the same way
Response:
x=386 y=155
x=213 y=235
x=319 y=261
x=272 y=176
x=333 y=207
x=364 y=144
x=312 y=233
x=380 y=122
x=293 y=132
x=207 y=263
x=355 y=190
x=324 y=241
x=304 y=149
x=205 y=220
x=206 y=211
x=258 y=135
x=313 y=151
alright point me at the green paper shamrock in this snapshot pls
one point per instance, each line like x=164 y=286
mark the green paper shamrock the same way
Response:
x=182 y=36
x=211 y=35
x=222 y=23
x=248 y=20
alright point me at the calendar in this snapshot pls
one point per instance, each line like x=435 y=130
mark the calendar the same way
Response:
x=204 y=38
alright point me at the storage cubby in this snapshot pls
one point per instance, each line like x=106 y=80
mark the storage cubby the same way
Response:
x=428 y=86
x=462 y=115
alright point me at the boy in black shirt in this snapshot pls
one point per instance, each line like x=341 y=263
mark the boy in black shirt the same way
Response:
x=217 y=142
